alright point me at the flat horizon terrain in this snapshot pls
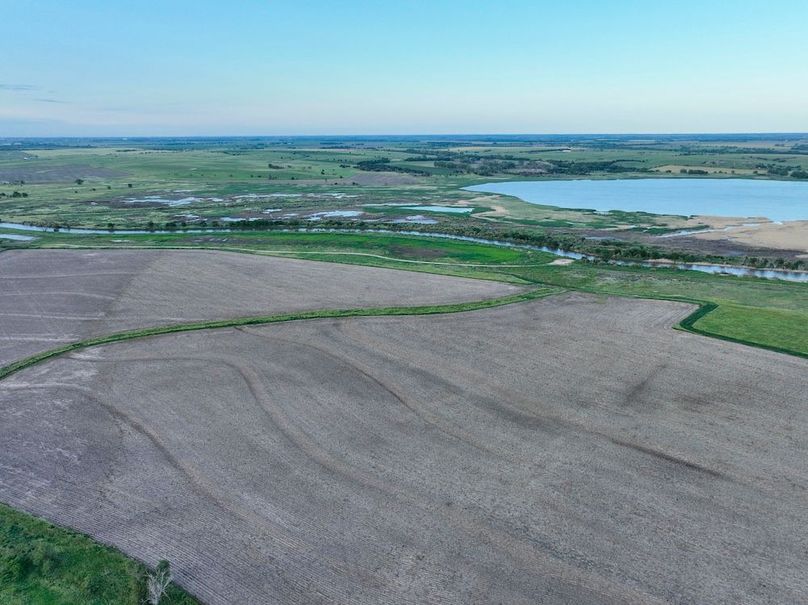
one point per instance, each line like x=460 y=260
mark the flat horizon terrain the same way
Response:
x=574 y=449
x=422 y=182
x=49 y=298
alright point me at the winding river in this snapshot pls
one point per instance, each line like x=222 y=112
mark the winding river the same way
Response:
x=781 y=274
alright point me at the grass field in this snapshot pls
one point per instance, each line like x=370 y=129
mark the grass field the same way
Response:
x=48 y=565
x=781 y=328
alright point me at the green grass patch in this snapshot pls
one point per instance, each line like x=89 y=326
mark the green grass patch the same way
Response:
x=390 y=245
x=777 y=329
x=41 y=564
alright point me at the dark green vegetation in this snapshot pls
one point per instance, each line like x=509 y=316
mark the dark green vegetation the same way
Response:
x=185 y=183
x=41 y=563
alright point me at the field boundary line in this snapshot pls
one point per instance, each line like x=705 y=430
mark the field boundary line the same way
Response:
x=688 y=325
x=532 y=294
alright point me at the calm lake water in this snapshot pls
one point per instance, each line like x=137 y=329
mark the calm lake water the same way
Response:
x=775 y=200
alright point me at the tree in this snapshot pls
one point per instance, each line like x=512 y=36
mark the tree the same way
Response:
x=157 y=582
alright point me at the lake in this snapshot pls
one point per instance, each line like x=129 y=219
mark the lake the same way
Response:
x=775 y=200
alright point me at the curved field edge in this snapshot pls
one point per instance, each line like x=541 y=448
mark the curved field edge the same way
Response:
x=38 y=579
x=714 y=320
x=43 y=563
x=531 y=294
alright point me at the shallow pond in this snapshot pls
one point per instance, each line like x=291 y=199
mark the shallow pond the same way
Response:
x=775 y=200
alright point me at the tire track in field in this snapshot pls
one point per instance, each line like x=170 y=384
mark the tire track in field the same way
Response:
x=529 y=554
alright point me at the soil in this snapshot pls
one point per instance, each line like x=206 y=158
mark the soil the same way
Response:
x=570 y=450
x=51 y=297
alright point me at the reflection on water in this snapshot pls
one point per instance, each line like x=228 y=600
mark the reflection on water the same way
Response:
x=776 y=200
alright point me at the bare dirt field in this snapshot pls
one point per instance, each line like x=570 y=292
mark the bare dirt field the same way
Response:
x=567 y=450
x=51 y=297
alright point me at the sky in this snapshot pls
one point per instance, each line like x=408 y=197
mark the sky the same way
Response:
x=248 y=67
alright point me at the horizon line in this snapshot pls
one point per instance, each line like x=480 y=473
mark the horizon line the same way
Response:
x=402 y=135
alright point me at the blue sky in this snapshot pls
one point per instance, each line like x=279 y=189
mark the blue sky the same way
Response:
x=204 y=67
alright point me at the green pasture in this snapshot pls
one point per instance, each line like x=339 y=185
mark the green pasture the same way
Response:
x=41 y=564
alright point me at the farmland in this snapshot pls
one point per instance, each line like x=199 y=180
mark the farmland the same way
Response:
x=764 y=312
x=50 y=298
x=305 y=303
x=484 y=437
x=226 y=387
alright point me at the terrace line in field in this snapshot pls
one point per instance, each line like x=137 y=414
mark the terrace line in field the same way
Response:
x=51 y=297
x=569 y=450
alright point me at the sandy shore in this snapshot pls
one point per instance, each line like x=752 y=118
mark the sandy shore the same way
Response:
x=791 y=235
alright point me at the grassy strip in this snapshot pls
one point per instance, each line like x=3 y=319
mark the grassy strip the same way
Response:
x=44 y=564
x=689 y=322
x=533 y=294
x=749 y=324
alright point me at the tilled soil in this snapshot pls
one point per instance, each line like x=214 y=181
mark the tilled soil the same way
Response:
x=52 y=297
x=567 y=450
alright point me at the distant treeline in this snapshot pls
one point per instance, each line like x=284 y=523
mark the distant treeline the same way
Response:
x=384 y=165
x=490 y=164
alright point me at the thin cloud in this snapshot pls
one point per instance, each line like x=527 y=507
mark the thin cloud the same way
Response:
x=18 y=87
x=51 y=101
